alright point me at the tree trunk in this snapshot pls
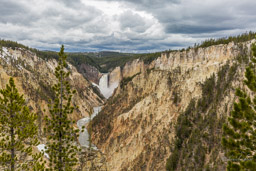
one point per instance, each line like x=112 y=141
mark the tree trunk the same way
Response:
x=12 y=141
x=60 y=124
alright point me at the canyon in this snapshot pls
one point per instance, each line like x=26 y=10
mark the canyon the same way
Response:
x=34 y=76
x=136 y=129
x=140 y=108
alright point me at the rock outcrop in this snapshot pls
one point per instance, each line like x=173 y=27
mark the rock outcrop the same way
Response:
x=136 y=129
x=34 y=77
x=90 y=72
x=131 y=68
x=93 y=160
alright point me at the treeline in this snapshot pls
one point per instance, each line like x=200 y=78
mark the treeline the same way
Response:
x=148 y=57
x=106 y=61
x=77 y=59
x=224 y=40
x=42 y=54
x=74 y=58
x=110 y=60
x=103 y=61
x=12 y=44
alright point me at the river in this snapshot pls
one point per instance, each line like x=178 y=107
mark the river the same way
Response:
x=107 y=90
x=84 y=136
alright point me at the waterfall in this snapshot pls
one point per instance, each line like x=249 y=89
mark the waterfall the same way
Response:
x=105 y=87
x=103 y=83
x=106 y=90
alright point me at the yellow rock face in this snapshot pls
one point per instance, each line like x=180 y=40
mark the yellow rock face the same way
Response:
x=34 y=76
x=136 y=128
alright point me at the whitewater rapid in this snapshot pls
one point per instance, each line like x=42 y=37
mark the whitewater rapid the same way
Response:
x=84 y=136
x=106 y=90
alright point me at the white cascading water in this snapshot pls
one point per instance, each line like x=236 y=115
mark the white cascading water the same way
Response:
x=106 y=89
x=84 y=136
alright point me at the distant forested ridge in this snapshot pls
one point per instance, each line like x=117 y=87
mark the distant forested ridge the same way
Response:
x=106 y=61
x=224 y=40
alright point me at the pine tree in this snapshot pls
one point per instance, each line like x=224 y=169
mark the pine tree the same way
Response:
x=61 y=147
x=239 y=134
x=18 y=132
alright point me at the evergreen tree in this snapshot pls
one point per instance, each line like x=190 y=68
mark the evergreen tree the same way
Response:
x=239 y=134
x=61 y=145
x=18 y=132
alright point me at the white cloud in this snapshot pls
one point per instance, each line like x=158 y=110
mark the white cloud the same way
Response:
x=125 y=25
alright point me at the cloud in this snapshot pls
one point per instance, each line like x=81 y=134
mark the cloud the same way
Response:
x=133 y=21
x=13 y=12
x=194 y=29
x=73 y=3
x=122 y=25
x=149 y=4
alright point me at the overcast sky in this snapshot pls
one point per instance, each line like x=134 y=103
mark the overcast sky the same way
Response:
x=122 y=25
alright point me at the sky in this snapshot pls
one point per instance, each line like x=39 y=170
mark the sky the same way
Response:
x=135 y=26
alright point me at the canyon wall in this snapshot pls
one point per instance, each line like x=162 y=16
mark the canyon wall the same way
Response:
x=34 y=77
x=90 y=72
x=137 y=128
x=128 y=70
